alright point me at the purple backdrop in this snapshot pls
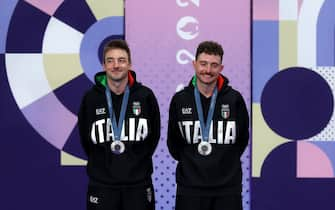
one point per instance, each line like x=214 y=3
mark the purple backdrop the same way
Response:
x=163 y=36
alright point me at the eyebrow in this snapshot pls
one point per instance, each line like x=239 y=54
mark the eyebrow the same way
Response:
x=109 y=58
x=204 y=61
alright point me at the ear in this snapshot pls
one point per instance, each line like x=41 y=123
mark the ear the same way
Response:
x=103 y=67
x=194 y=62
x=222 y=67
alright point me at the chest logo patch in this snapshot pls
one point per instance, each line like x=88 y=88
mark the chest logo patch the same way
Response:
x=136 y=108
x=225 y=111
x=100 y=111
x=186 y=110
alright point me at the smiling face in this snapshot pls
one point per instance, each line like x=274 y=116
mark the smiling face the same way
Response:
x=116 y=64
x=207 y=68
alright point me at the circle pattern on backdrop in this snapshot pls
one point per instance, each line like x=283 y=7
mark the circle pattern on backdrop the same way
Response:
x=297 y=103
x=49 y=73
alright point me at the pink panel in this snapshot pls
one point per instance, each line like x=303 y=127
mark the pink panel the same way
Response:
x=265 y=9
x=48 y=7
x=163 y=36
x=312 y=162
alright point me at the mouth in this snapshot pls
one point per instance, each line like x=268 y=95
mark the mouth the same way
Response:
x=115 y=70
x=207 y=75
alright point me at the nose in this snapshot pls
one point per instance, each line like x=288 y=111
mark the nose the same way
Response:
x=116 y=64
x=208 y=69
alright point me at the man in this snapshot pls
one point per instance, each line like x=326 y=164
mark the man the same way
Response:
x=207 y=134
x=119 y=124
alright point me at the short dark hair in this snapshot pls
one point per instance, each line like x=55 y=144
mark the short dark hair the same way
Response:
x=210 y=48
x=117 y=44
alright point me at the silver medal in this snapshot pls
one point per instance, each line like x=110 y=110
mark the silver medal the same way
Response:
x=204 y=148
x=117 y=147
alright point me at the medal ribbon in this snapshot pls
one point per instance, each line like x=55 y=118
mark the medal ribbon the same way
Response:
x=117 y=127
x=205 y=126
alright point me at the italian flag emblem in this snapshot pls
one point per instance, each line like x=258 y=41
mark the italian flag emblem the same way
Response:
x=136 y=108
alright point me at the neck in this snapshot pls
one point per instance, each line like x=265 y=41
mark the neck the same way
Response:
x=205 y=89
x=117 y=87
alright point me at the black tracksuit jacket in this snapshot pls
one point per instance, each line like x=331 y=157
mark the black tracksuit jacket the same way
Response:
x=141 y=133
x=220 y=172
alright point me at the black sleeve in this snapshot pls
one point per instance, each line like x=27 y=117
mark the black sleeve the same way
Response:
x=83 y=126
x=243 y=124
x=174 y=138
x=155 y=121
